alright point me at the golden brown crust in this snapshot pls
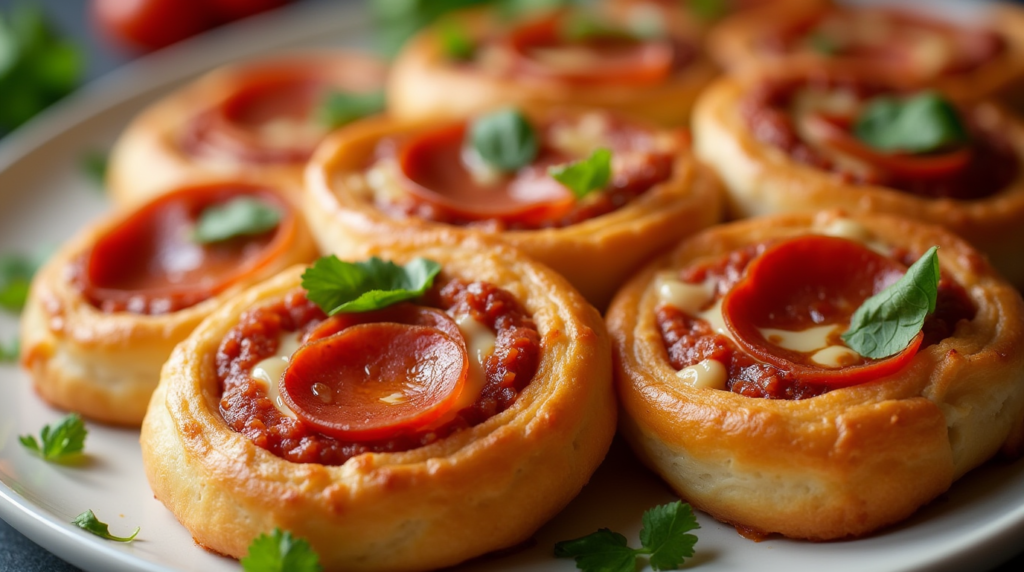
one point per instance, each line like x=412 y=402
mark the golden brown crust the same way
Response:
x=595 y=255
x=148 y=159
x=425 y=84
x=415 y=510
x=106 y=365
x=846 y=462
x=737 y=43
x=762 y=179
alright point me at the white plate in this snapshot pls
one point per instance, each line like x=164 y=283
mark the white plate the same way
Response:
x=44 y=198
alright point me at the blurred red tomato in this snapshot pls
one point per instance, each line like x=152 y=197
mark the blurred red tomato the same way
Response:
x=235 y=9
x=152 y=24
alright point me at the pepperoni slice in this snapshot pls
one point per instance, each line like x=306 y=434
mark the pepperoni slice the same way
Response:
x=806 y=281
x=433 y=171
x=541 y=50
x=402 y=313
x=376 y=380
x=148 y=265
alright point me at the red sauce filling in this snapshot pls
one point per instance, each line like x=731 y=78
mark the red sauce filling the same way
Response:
x=149 y=265
x=246 y=409
x=526 y=200
x=835 y=33
x=689 y=340
x=991 y=166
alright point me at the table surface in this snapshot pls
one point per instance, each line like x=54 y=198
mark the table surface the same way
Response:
x=18 y=553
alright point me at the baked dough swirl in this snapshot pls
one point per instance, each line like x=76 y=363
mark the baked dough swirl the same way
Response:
x=98 y=350
x=342 y=205
x=845 y=462
x=253 y=119
x=418 y=509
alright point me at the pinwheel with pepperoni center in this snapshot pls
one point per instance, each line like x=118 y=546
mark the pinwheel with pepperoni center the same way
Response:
x=584 y=57
x=808 y=137
x=260 y=119
x=105 y=312
x=970 y=54
x=387 y=180
x=738 y=387
x=388 y=439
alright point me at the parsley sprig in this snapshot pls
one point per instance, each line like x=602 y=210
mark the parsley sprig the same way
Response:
x=58 y=441
x=923 y=123
x=503 y=139
x=663 y=539
x=455 y=40
x=886 y=323
x=242 y=216
x=337 y=286
x=340 y=108
x=88 y=521
x=280 y=552
x=586 y=175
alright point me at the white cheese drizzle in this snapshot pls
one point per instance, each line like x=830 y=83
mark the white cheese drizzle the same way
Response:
x=710 y=374
x=269 y=371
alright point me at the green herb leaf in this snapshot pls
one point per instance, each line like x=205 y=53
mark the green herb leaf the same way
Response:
x=59 y=441
x=242 y=216
x=455 y=41
x=280 y=552
x=708 y=10
x=36 y=67
x=88 y=521
x=10 y=350
x=663 y=538
x=822 y=43
x=664 y=535
x=339 y=108
x=886 y=323
x=920 y=124
x=587 y=175
x=516 y=9
x=338 y=286
x=581 y=26
x=16 y=272
x=504 y=139
x=94 y=165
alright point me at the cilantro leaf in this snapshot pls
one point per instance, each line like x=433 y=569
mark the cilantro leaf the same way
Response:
x=708 y=10
x=919 y=124
x=886 y=323
x=397 y=20
x=59 y=441
x=36 y=66
x=280 y=552
x=587 y=175
x=242 y=216
x=664 y=535
x=10 y=350
x=339 y=108
x=88 y=521
x=455 y=41
x=94 y=165
x=663 y=539
x=504 y=139
x=338 y=286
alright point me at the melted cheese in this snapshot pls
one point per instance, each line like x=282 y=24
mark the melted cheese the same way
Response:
x=809 y=340
x=287 y=133
x=269 y=371
x=709 y=374
x=835 y=357
x=713 y=316
x=581 y=137
x=479 y=345
x=852 y=230
x=483 y=174
x=689 y=298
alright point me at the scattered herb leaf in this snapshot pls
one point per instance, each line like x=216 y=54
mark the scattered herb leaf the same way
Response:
x=58 y=441
x=88 y=521
x=340 y=108
x=586 y=175
x=94 y=165
x=36 y=66
x=886 y=323
x=16 y=272
x=664 y=541
x=822 y=43
x=397 y=20
x=280 y=552
x=919 y=124
x=9 y=350
x=504 y=139
x=455 y=41
x=242 y=216
x=708 y=10
x=338 y=286
x=581 y=26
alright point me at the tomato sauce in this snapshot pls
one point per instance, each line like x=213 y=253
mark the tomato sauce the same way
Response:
x=246 y=408
x=991 y=167
x=689 y=340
